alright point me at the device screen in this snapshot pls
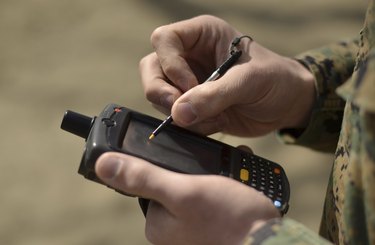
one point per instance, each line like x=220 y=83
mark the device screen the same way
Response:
x=173 y=149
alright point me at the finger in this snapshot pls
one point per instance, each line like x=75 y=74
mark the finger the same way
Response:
x=164 y=110
x=155 y=84
x=211 y=125
x=137 y=177
x=171 y=42
x=207 y=100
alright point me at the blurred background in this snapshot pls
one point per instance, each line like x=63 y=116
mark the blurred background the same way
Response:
x=83 y=54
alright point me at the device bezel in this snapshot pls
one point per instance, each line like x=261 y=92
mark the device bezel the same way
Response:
x=109 y=129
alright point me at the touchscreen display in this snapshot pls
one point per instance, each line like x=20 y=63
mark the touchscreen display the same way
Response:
x=172 y=149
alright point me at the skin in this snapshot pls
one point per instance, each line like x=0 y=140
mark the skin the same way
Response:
x=188 y=209
x=263 y=92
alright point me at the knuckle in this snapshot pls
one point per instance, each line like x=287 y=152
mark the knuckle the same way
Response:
x=131 y=178
x=157 y=97
x=168 y=68
x=142 y=63
x=157 y=34
x=150 y=95
x=149 y=60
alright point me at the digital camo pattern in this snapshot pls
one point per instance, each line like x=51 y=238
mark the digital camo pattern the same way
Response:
x=332 y=66
x=344 y=70
x=284 y=231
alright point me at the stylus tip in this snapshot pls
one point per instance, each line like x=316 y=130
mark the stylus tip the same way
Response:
x=151 y=137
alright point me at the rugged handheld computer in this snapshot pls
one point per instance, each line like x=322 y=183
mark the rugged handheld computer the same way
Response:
x=124 y=130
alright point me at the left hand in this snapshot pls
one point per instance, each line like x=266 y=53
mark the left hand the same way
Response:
x=188 y=209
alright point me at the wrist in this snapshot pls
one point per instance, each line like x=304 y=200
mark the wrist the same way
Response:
x=305 y=86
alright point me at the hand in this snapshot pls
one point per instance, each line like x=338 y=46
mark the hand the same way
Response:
x=188 y=209
x=262 y=92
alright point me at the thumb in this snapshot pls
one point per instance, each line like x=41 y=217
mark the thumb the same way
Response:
x=205 y=101
x=136 y=177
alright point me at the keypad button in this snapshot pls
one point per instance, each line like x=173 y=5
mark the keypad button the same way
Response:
x=276 y=170
x=244 y=174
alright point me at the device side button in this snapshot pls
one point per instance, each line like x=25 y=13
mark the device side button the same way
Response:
x=109 y=122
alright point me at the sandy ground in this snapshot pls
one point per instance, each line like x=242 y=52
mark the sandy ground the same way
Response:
x=81 y=55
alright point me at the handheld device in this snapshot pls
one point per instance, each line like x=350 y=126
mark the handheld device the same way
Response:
x=124 y=130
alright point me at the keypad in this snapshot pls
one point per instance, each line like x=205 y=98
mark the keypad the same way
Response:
x=263 y=175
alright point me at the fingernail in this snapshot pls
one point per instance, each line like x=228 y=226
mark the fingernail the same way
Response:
x=109 y=168
x=186 y=112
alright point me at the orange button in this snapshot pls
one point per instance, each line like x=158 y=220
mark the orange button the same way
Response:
x=276 y=170
x=244 y=174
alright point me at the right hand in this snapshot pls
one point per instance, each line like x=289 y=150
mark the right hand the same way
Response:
x=261 y=93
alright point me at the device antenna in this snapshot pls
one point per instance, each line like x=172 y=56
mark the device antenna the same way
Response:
x=77 y=124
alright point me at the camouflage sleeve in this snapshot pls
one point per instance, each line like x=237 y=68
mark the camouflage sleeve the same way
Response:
x=331 y=65
x=359 y=212
x=284 y=231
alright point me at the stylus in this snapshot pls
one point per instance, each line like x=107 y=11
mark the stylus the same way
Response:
x=217 y=73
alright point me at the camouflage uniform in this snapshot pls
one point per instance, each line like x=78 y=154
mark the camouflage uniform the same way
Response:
x=343 y=117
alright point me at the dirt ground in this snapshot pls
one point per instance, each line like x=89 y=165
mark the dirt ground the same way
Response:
x=81 y=55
